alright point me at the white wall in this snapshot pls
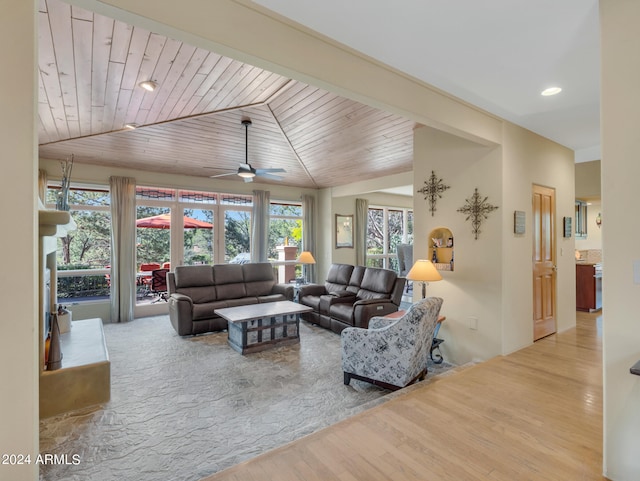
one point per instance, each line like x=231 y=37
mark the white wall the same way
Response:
x=19 y=283
x=473 y=289
x=620 y=117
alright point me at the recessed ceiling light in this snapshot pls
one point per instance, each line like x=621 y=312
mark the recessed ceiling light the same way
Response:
x=149 y=85
x=131 y=126
x=551 y=91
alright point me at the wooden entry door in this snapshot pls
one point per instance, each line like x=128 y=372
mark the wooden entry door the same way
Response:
x=544 y=262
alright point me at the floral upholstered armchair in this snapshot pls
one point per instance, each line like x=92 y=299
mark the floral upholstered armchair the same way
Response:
x=391 y=353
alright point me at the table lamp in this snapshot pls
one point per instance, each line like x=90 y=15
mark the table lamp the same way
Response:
x=305 y=257
x=424 y=271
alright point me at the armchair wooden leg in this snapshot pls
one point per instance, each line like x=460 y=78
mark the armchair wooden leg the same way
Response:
x=347 y=378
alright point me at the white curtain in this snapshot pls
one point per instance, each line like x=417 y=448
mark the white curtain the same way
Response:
x=260 y=226
x=123 y=248
x=309 y=233
x=362 y=213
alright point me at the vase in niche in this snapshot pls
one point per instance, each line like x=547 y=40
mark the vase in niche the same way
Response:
x=62 y=200
x=54 y=358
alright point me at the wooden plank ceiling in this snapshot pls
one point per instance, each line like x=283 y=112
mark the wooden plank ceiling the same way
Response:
x=90 y=68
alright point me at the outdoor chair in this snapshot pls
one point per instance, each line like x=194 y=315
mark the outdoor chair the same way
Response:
x=159 y=284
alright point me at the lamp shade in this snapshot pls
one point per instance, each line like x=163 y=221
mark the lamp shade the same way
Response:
x=424 y=270
x=305 y=257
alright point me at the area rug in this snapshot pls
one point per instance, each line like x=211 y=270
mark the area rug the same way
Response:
x=185 y=408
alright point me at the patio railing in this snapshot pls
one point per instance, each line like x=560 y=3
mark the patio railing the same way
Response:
x=83 y=285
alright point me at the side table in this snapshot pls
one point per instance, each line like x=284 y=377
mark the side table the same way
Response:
x=435 y=344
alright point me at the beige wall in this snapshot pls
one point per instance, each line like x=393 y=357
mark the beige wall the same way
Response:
x=18 y=284
x=588 y=180
x=620 y=113
x=473 y=289
x=530 y=159
x=346 y=205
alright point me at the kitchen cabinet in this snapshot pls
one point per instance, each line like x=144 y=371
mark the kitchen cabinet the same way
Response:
x=588 y=287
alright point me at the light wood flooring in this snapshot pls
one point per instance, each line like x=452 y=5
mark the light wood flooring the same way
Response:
x=535 y=414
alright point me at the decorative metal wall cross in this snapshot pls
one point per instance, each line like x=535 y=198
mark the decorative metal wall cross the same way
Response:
x=477 y=210
x=432 y=190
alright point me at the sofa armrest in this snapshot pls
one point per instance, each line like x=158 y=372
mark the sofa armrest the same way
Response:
x=311 y=290
x=181 y=298
x=365 y=309
x=181 y=313
x=285 y=289
x=378 y=322
x=328 y=300
x=344 y=295
x=368 y=302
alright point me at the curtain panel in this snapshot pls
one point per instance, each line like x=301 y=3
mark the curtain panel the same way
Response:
x=260 y=226
x=362 y=213
x=309 y=233
x=123 y=248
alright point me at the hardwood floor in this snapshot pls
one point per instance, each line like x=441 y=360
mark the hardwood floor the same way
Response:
x=535 y=414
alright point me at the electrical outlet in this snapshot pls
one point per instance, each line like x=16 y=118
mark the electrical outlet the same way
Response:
x=473 y=323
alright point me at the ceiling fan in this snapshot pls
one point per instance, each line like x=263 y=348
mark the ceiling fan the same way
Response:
x=245 y=170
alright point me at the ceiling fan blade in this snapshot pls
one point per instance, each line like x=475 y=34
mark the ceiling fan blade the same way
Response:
x=266 y=171
x=267 y=175
x=223 y=175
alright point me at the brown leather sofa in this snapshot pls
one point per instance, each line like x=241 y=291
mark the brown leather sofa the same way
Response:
x=351 y=296
x=196 y=291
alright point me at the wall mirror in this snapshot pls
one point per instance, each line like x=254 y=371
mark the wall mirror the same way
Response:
x=344 y=231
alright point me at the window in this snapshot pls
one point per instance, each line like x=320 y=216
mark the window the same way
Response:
x=285 y=226
x=386 y=228
x=84 y=255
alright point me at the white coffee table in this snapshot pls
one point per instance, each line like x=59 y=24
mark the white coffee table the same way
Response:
x=257 y=327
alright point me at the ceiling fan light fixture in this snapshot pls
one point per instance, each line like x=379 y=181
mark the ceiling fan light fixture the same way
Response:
x=246 y=174
x=551 y=91
x=149 y=85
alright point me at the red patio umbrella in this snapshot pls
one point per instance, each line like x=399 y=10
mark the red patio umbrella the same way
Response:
x=163 y=221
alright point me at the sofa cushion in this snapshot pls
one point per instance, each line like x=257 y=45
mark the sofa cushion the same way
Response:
x=242 y=301
x=338 y=277
x=377 y=284
x=199 y=295
x=343 y=312
x=272 y=298
x=229 y=281
x=205 y=310
x=356 y=278
x=193 y=276
x=259 y=278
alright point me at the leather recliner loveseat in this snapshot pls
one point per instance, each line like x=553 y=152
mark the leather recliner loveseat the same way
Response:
x=351 y=296
x=196 y=291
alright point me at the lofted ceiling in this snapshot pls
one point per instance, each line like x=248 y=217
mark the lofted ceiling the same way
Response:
x=90 y=70
x=496 y=54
